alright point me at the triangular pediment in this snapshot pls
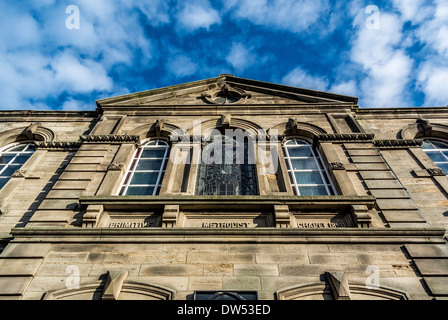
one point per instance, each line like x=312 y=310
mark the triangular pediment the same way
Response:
x=249 y=92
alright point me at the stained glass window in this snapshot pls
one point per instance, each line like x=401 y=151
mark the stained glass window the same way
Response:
x=226 y=168
x=307 y=173
x=12 y=158
x=438 y=152
x=144 y=176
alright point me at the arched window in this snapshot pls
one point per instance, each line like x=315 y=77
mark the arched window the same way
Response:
x=12 y=158
x=307 y=173
x=226 y=168
x=145 y=174
x=438 y=152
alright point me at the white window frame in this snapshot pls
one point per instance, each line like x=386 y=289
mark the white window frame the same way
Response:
x=17 y=153
x=126 y=183
x=437 y=150
x=326 y=179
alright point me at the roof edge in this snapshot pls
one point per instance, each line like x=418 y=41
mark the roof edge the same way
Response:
x=232 y=79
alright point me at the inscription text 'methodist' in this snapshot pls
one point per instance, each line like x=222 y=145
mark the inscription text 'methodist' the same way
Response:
x=225 y=225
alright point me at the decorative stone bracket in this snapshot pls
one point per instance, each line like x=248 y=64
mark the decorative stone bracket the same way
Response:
x=339 y=284
x=428 y=173
x=398 y=143
x=225 y=121
x=115 y=166
x=158 y=127
x=27 y=174
x=110 y=138
x=336 y=166
x=55 y=145
x=92 y=216
x=114 y=284
x=344 y=137
x=361 y=216
x=282 y=216
x=170 y=215
x=293 y=125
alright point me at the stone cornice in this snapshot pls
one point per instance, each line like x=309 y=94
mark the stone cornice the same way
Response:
x=252 y=235
x=110 y=138
x=344 y=137
x=55 y=145
x=50 y=115
x=151 y=203
x=398 y=143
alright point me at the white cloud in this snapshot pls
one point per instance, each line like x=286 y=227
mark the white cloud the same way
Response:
x=348 y=88
x=385 y=64
x=19 y=29
x=300 y=78
x=433 y=70
x=387 y=83
x=41 y=58
x=156 y=11
x=414 y=11
x=197 y=14
x=81 y=76
x=433 y=81
x=241 y=57
x=76 y=105
x=181 y=66
x=434 y=32
x=291 y=15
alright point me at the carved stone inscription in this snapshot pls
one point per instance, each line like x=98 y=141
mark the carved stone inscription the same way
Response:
x=130 y=220
x=323 y=220
x=127 y=224
x=311 y=225
x=221 y=220
x=225 y=225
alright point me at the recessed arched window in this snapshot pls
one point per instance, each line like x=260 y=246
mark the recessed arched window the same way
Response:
x=145 y=174
x=12 y=158
x=438 y=152
x=226 y=168
x=307 y=173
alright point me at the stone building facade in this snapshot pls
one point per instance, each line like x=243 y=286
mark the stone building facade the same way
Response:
x=331 y=201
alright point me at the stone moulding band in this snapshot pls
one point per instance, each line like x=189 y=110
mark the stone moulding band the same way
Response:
x=252 y=235
x=110 y=138
x=398 y=143
x=236 y=202
x=66 y=145
x=344 y=137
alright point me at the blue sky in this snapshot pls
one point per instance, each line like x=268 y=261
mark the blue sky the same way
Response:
x=394 y=55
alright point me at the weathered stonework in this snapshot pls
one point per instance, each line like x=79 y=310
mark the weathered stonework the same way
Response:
x=63 y=211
